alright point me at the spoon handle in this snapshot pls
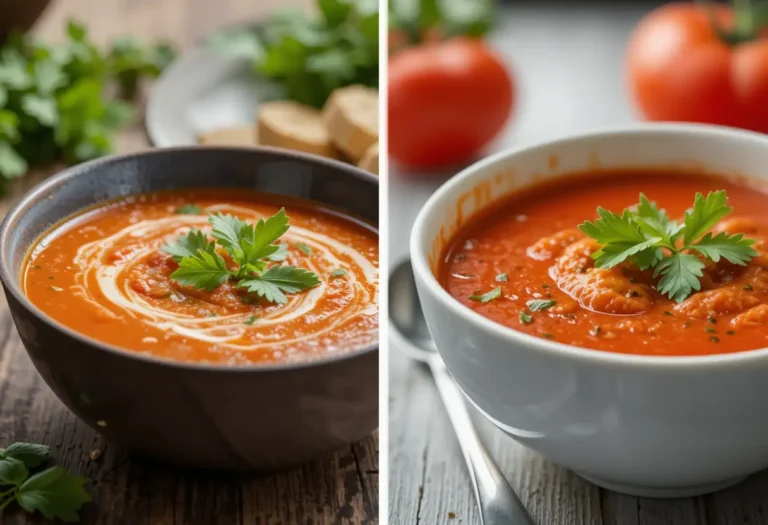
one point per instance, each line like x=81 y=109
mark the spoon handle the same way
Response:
x=498 y=503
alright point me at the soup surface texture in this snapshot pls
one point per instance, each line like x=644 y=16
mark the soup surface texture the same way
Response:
x=104 y=274
x=530 y=246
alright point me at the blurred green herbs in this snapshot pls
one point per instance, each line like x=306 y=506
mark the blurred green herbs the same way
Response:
x=64 y=102
x=416 y=18
x=309 y=57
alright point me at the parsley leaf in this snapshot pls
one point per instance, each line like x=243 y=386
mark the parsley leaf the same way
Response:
x=278 y=279
x=647 y=238
x=226 y=231
x=611 y=228
x=733 y=248
x=525 y=318
x=281 y=254
x=54 y=493
x=31 y=454
x=488 y=296
x=679 y=275
x=202 y=270
x=12 y=471
x=188 y=245
x=705 y=214
x=257 y=242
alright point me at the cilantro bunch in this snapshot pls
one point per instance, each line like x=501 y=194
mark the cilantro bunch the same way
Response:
x=54 y=99
x=648 y=238
x=310 y=57
x=53 y=492
x=251 y=248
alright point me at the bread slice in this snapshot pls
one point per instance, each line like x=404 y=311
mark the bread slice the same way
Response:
x=290 y=125
x=352 y=117
x=236 y=136
x=370 y=161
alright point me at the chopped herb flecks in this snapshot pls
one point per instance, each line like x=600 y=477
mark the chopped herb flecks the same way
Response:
x=502 y=278
x=189 y=209
x=339 y=272
x=525 y=318
x=488 y=296
x=748 y=287
x=539 y=305
x=305 y=249
x=547 y=335
x=250 y=320
x=595 y=331
x=714 y=339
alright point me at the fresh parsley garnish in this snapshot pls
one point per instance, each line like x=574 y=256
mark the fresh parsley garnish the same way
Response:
x=502 y=278
x=53 y=492
x=309 y=56
x=525 y=318
x=250 y=320
x=648 y=238
x=539 y=305
x=488 y=296
x=57 y=102
x=251 y=249
x=189 y=209
x=339 y=272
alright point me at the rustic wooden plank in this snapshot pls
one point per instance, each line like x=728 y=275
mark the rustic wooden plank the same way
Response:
x=339 y=489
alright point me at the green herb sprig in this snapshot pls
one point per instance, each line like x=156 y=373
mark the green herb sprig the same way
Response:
x=647 y=238
x=309 y=57
x=251 y=247
x=53 y=492
x=55 y=101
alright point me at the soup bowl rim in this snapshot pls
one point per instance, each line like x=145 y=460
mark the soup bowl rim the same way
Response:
x=11 y=278
x=419 y=248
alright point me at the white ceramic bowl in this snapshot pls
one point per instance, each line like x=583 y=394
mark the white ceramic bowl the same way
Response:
x=642 y=425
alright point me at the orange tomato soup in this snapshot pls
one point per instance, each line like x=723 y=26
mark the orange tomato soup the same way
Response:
x=103 y=274
x=532 y=237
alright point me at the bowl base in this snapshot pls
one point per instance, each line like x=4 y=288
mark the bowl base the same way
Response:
x=662 y=492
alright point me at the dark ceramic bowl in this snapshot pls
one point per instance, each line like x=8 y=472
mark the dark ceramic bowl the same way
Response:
x=264 y=417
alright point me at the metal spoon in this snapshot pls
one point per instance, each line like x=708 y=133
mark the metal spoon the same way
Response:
x=499 y=505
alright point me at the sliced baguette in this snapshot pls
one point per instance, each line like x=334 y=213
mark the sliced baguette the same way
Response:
x=352 y=118
x=370 y=160
x=236 y=136
x=290 y=125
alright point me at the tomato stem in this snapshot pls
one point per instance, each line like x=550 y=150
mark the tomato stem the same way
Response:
x=746 y=22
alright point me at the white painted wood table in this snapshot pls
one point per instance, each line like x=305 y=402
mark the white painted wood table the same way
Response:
x=568 y=60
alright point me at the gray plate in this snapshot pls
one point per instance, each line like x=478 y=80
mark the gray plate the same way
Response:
x=201 y=92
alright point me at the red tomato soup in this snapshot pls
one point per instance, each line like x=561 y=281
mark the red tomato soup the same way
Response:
x=529 y=245
x=105 y=274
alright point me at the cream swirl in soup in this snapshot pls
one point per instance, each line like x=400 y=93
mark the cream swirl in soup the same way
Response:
x=104 y=274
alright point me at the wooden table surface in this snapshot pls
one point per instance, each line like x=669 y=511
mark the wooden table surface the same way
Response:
x=340 y=489
x=568 y=59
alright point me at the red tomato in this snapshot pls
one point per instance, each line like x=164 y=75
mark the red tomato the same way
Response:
x=680 y=69
x=446 y=101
